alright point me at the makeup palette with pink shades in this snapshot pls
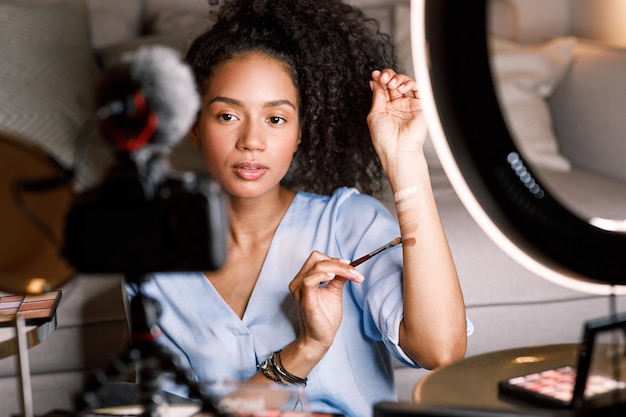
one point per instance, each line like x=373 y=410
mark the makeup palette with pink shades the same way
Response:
x=36 y=309
x=556 y=386
x=596 y=382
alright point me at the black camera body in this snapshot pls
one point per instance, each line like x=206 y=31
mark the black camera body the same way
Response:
x=135 y=224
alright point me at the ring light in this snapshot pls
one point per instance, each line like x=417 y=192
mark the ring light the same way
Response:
x=487 y=171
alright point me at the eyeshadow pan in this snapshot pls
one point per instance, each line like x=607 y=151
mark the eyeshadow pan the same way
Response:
x=8 y=312
x=39 y=297
x=36 y=305
x=8 y=298
x=9 y=305
x=35 y=314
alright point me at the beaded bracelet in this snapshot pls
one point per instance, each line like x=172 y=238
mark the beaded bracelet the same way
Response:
x=273 y=369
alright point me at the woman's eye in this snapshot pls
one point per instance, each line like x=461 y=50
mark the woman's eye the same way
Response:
x=277 y=120
x=227 y=117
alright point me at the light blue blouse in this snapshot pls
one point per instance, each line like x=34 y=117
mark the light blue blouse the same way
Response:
x=357 y=371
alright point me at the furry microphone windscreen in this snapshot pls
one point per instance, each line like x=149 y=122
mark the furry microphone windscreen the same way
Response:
x=165 y=82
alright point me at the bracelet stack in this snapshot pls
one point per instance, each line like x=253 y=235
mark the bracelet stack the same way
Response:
x=273 y=369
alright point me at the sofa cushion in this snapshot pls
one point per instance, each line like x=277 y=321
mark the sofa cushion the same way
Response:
x=525 y=75
x=588 y=109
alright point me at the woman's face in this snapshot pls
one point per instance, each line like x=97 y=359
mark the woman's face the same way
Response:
x=248 y=127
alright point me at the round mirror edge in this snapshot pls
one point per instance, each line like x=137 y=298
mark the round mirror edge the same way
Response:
x=543 y=267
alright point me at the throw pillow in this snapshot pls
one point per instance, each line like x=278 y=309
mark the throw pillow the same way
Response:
x=524 y=76
x=47 y=71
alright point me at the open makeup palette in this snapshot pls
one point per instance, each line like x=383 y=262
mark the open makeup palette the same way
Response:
x=36 y=309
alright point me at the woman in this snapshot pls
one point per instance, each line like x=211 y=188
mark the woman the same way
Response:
x=313 y=79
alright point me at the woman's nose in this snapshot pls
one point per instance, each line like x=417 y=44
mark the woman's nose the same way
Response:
x=251 y=137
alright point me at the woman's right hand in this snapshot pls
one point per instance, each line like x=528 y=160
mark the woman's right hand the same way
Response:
x=317 y=290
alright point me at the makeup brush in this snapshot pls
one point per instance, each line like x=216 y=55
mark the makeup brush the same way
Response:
x=391 y=244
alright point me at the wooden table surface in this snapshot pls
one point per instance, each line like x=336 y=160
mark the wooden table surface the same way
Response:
x=473 y=381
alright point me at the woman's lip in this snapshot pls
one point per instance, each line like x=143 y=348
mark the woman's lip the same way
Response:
x=250 y=170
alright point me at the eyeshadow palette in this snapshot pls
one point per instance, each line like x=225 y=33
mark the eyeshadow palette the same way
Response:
x=34 y=308
x=597 y=380
x=555 y=387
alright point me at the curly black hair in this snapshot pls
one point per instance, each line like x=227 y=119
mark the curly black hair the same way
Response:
x=331 y=49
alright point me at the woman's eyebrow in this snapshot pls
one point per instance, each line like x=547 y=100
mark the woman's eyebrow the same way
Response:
x=226 y=100
x=235 y=102
x=278 y=103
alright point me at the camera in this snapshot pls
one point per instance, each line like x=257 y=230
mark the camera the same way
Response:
x=133 y=224
x=144 y=217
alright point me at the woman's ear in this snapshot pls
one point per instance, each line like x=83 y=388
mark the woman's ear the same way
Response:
x=299 y=141
x=195 y=134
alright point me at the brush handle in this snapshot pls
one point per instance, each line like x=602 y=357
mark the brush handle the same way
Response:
x=388 y=245
x=360 y=260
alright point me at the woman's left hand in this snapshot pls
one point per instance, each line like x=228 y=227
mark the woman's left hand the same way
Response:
x=433 y=331
x=395 y=120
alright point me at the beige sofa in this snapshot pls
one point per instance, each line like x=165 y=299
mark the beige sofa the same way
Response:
x=509 y=305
